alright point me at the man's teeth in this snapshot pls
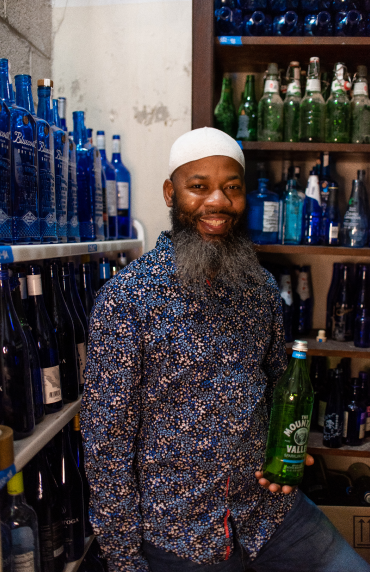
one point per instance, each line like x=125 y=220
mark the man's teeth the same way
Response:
x=214 y=222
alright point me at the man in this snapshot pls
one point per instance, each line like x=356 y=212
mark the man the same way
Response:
x=186 y=345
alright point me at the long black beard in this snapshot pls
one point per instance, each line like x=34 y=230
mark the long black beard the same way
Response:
x=231 y=259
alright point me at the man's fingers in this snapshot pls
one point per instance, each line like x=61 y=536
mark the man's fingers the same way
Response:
x=264 y=483
x=274 y=488
x=287 y=489
x=309 y=460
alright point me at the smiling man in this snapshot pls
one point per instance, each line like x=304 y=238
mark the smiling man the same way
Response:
x=186 y=345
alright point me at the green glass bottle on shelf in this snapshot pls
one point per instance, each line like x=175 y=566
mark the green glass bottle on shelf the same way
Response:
x=248 y=113
x=270 y=108
x=225 y=114
x=360 y=107
x=338 y=107
x=290 y=422
x=312 y=112
x=292 y=103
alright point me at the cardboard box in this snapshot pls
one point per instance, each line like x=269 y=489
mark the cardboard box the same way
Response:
x=353 y=522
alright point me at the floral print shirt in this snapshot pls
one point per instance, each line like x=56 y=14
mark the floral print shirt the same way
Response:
x=175 y=413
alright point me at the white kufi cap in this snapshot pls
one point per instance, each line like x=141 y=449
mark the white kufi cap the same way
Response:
x=201 y=143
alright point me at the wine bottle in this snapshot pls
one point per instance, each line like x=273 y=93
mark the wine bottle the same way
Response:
x=333 y=420
x=104 y=271
x=78 y=454
x=43 y=496
x=286 y=293
x=22 y=521
x=362 y=319
x=354 y=417
x=86 y=293
x=46 y=341
x=16 y=386
x=303 y=303
x=343 y=307
x=318 y=380
x=65 y=333
x=80 y=334
x=76 y=297
x=6 y=461
x=331 y=296
x=37 y=391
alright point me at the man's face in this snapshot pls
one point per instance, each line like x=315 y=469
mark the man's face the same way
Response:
x=210 y=195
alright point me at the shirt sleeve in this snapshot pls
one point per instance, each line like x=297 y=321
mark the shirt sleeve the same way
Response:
x=110 y=416
x=275 y=361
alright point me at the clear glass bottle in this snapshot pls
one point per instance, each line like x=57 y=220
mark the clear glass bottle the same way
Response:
x=248 y=113
x=270 y=108
x=360 y=107
x=292 y=214
x=312 y=112
x=123 y=179
x=111 y=187
x=292 y=103
x=224 y=114
x=263 y=214
x=338 y=107
x=62 y=112
x=354 y=231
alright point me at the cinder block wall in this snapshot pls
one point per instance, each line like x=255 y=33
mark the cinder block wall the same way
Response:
x=26 y=37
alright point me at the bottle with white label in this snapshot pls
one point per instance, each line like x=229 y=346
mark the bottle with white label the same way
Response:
x=22 y=521
x=46 y=341
x=354 y=231
x=312 y=112
x=263 y=214
x=354 y=416
x=111 y=193
x=270 y=108
x=360 y=107
x=292 y=103
x=338 y=107
x=123 y=179
x=312 y=211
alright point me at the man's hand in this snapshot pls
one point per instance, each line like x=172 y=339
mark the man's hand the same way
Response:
x=274 y=487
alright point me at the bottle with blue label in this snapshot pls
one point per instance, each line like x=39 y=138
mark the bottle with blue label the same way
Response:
x=257 y=24
x=73 y=225
x=292 y=103
x=354 y=231
x=319 y=24
x=312 y=211
x=61 y=155
x=6 y=236
x=123 y=179
x=90 y=199
x=263 y=214
x=292 y=219
x=24 y=187
x=62 y=112
x=287 y=24
x=111 y=187
x=351 y=23
x=45 y=163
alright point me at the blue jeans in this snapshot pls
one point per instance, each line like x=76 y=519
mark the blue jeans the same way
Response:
x=305 y=542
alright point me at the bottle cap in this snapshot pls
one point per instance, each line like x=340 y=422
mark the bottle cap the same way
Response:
x=321 y=336
x=362 y=70
x=6 y=447
x=314 y=60
x=361 y=174
x=45 y=83
x=15 y=485
x=76 y=422
x=300 y=345
x=273 y=69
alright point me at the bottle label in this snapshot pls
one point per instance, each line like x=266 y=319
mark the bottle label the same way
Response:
x=303 y=289
x=24 y=562
x=100 y=141
x=313 y=85
x=294 y=88
x=290 y=442
x=270 y=216
x=321 y=413
x=243 y=123
x=332 y=426
x=337 y=86
x=362 y=424
x=51 y=384
x=51 y=541
x=313 y=188
x=352 y=218
x=34 y=285
x=111 y=191
x=116 y=145
x=299 y=355
x=123 y=195
x=81 y=356
x=345 y=424
x=271 y=86
x=286 y=289
x=104 y=270
x=333 y=231
x=360 y=88
x=23 y=287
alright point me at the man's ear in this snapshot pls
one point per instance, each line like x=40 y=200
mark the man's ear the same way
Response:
x=168 y=192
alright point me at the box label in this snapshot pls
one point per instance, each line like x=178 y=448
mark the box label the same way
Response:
x=361 y=532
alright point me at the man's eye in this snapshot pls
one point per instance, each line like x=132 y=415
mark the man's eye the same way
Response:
x=234 y=187
x=198 y=186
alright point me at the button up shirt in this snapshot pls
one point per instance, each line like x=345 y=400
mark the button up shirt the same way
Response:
x=175 y=413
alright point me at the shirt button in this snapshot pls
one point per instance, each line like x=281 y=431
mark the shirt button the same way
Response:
x=222 y=329
x=226 y=372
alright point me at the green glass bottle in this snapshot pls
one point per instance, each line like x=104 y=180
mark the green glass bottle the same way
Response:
x=360 y=108
x=225 y=115
x=338 y=108
x=312 y=111
x=248 y=113
x=292 y=103
x=270 y=108
x=290 y=422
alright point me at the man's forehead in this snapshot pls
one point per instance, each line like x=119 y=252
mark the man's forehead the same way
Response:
x=210 y=166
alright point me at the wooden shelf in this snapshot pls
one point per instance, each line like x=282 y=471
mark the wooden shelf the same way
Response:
x=315 y=447
x=313 y=250
x=331 y=348
x=305 y=147
x=74 y=566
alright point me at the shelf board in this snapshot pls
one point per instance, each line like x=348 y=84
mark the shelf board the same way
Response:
x=313 y=250
x=25 y=449
x=305 y=147
x=315 y=447
x=74 y=566
x=331 y=348
x=26 y=252
x=244 y=53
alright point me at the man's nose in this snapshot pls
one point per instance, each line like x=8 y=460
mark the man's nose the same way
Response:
x=217 y=198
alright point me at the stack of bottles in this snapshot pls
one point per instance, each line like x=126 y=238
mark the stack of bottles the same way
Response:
x=44 y=331
x=288 y=215
x=321 y=115
x=53 y=188
x=297 y=301
x=292 y=18
x=341 y=403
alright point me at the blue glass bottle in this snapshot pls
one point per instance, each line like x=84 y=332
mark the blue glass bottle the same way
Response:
x=45 y=162
x=257 y=24
x=312 y=211
x=330 y=215
x=5 y=176
x=286 y=293
x=292 y=214
x=61 y=155
x=315 y=6
x=282 y=6
x=352 y=23
x=354 y=231
x=24 y=188
x=287 y=24
x=62 y=111
x=263 y=214
x=73 y=225
x=90 y=199
x=111 y=187
x=123 y=179
x=319 y=24
x=228 y=18
x=362 y=317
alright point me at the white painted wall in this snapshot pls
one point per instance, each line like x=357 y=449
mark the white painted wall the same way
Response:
x=127 y=64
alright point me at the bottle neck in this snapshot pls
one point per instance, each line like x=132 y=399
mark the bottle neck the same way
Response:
x=23 y=95
x=249 y=92
x=226 y=92
x=79 y=130
x=34 y=285
x=43 y=108
x=6 y=89
x=17 y=302
x=15 y=489
x=56 y=119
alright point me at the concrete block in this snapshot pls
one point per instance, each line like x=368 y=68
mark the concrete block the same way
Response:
x=32 y=19
x=15 y=49
x=40 y=68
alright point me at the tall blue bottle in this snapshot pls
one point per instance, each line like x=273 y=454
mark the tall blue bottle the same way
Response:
x=330 y=216
x=312 y=211
x=5 y=176
x=352 y=23
x=110 y=187
x=257 y=24
x=73 y=225
x=45 y=161
x=24 y=188
x=263 y=214
x=287 y=24
x=124 y=190
x=319 y=24
x=90 y=199
x=292 y=219
x=62 y=111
